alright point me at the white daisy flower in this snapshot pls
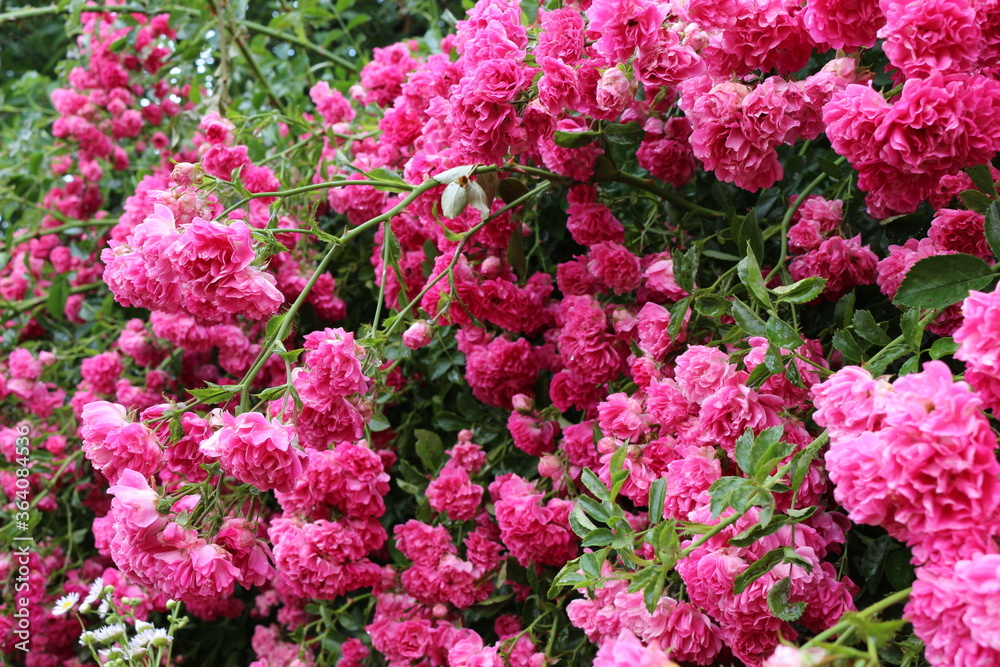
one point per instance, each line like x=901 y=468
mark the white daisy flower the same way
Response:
x=65 y=604
x=110 y=633
x=104 y=608
x=96 y=592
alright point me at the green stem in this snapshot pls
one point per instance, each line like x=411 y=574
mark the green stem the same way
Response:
x=310 y=188
x=895 y=598
x=28 y=12
x=663 y=193
x=786 y=220
x=291 y=39
x=44 y=231
x=286 y=322
x=255 y=68
x=28 y=304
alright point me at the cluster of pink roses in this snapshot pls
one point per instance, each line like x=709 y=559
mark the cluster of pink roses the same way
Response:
x=603 y=363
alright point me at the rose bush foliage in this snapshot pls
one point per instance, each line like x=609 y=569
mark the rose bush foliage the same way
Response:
x=597 y=332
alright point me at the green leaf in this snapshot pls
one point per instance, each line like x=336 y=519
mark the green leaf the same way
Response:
x=378 y=423
x=651 y=596
x=744 y=451
x=749 y=272
x=735 y=492
x=943 y=347
x=765 y=564
x=594 y=484
x=866 y=327
x=873 y=560
x=803 y=291
x=512 y=189
x=777 y=602
x=847 y=345
x=747 y=319
x=591 y=563
x=913 y=332
x=975 y=200
x=686 y=267
x=657 y=494
x=595 y=509
x=782 y=335
x=746 y=233
x=619 y=473
x=711 y=305
x=58 y=294
x=570 y=577
x=273 y=324
x=214 y=393
x=992 y=228
x=575 y=139
x=941 y=280
x=677 y=312
x=625 y=134
x=982 y=178
x=600 y=537
x=429 y=448
x=642 y=578
x=579 y=522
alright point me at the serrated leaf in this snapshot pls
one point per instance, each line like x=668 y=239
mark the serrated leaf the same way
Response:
x=594 y=484
x=847 y=345
x=599 y=537
x=711 y=305
x=735 y=492
x=943 y=347
x=982 y=178
x=866 y=327
x=657 y=494
x=942 y=280
x=992 y=228
x=591 y=563
x=913 y=332
x=777 y=602
x=595 y=509
x=214 y=394
x=746 y=233
x=575 y=139
x=429 y=448
x=651 y=596
x=686 y=267
x=765 y=564
x=55 y=303
x=975 y=200
x=624 y=134
x=782 y=335
x=579 y=522
x=803 y=291
x=748 y=271
x=642 y=578
x=677 y=312
x=747 y=319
